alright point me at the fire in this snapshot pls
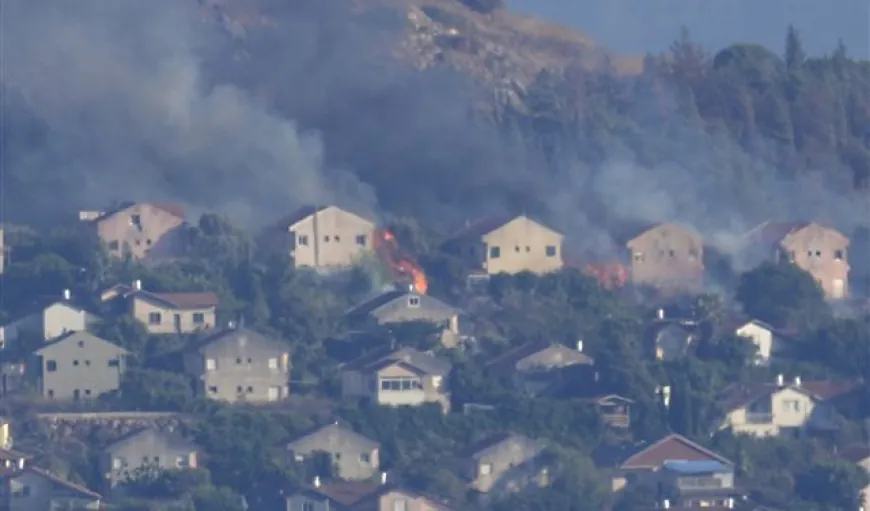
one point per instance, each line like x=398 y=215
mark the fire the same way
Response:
x=610 y=274
x=402 y=265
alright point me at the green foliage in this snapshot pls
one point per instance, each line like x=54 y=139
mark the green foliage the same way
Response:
x=782 y=295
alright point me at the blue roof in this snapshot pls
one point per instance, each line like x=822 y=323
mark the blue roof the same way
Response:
x=695 y=467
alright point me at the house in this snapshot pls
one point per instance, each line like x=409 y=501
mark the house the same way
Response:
x=670 y=338
x=142 y=230
x=400 y=306
x=505 y=462
x=48 y=320
x=360 y=496
x=78 y=365
x=33 y=489
x=5 y=434
x=859 y=455
x=509 y=245
x=13 y=460
x=536 y=366
x=321 y=237
x=142 y=453
x=355 y=456
x=239 y=364
x=615 y=410
x=667 y=256
x=819 y=250
x=768 y=409
x=644 y=464
x=697 y=484
x=767 y=339
x=165 y=313
x=397 y=377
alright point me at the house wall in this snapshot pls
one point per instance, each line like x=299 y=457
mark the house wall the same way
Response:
x=771 y=416
x=81 y=371
x=54 y=321
x=392 y=500
x=40 y=495
x=761 y=337
x=242 y=373
x=512 y=466
x=2 y=251
x=814 y=249
x=672 y=341
x=121 y=235
x=148 y=452
x=331 y=238
x=399 y=397
x=298 y=503
x=522 y=246
x=357 y=384
x=351 y=464
x=667 y=256
x=401 y=311
x=142 y=309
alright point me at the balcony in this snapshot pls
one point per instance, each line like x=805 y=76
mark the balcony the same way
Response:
x=759 y=417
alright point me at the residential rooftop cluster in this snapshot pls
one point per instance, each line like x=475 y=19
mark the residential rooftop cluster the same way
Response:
x=400 y=347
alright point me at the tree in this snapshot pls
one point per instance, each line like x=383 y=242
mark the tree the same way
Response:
x=783 y=295
x=794 y=50
x=484 y=6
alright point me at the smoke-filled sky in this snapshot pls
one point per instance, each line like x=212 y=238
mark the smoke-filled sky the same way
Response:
x=640 y=26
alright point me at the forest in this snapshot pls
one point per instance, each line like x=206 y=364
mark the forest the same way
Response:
x=723 y=140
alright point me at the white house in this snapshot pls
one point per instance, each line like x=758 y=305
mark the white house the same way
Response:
x=763 y=336
x=48 y=322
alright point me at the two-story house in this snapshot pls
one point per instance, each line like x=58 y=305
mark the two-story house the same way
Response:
x=537 y=366
x=698 y=484
x=509 y=245
x=239 y=364
x=402 y=305
x=860 y=455
x=355 y=456
x=403 y=377
x=360 y=496
x=141 y=230
x=768 y=409
x=78 y=365
x=505 y=462
x=165 y=313
x=644 y=464
x=142 y=454
x=32 y=489
x=819 y=250
x=667 y=256
x=324 y=238
x=48 y=320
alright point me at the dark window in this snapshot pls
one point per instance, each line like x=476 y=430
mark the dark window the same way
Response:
x=337 y=239
x=51 y=366
x=250 y=390
x=212 y=390
x=50 y=392
x=81 y=344
x=361 y=240
x=494 y=252
x=75 y=362
x=198 y=318
x=136 y=221
x=155 y=318
x=551 y=251
x=87 y=392
x=113 y=245
x=239 y=390
x=838 y=255
x=302 y=240
x=114 y=362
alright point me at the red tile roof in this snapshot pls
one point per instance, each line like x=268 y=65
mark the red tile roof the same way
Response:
x=671 y=447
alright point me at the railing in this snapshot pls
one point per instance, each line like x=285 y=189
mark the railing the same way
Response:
x=616 y=420
x=759 y=418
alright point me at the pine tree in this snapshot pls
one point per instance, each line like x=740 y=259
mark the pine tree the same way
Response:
x=794 y=50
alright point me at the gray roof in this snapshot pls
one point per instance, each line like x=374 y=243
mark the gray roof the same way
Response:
x=424 y=362
x=385 y=302
x=87 y=338
x=499 y=441
x=335 y=429
x=236 y=334
x=174 y=441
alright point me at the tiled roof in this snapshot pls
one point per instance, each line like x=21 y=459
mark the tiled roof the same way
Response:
x=430 y=304
x=671 y=447
x=184 y=300
x=738 y=395
x=87 y=338
x=496 y=442
x=772 y=232
x=481 y=227
x=305 y=211
x=174 y=441
x=55 y=480
x=328 y=430
x=511 y=358
x=425 y=362
x=237 y=334
x=346 y=493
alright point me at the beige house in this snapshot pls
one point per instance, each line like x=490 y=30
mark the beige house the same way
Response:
x=360 y=496
x=322 y=237
x=403 y=377
x=860 y=455
x=537 y=366
x=140 y=229
x=505 y=462
x=166 y=313
x=33 y=489
x=503 y=245
x=667 y=256
x=820 y=251
x=400 y=306
x=766 y=339
x=356 y=456
x=769 y=409
x=144 y=453
x=49 y=320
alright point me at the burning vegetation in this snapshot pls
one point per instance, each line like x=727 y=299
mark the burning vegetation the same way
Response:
x=401 y=264
x=609 y=274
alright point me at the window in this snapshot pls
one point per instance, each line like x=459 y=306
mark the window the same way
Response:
x=250 y=390
x=273 y=363
x=839 y=255
x=155 y=318
x=517 y=248
x=238 y=360
x=148 y=242
x=638 y=257
x=210 y=364
x=308 y=505
x=181 y=462
x=551 y=251
x=326 y=239
x=485 y=469
x=114 y=362
x=239 y=389
x=136 y=221
x=81 y=344
x=50 y=392
x=23 y=492
x=75 y=362
x=671 y=253
x=494 y=252
x=413 y=301
x=365 y=458
x=336 y=456
x=791 y=405
x=361 y=240
x=87 y=362
x=212 y=390
x=302 y=240
x=50 y=366
x=117 y=463
x=336 y=239
x=113 y=245
x=436 y=382
x=400 y=505
x=400 y=384
x=198 y=318
x=791 y=255
x=87 y=392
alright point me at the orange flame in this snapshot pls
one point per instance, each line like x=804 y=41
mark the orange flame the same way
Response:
x=609 y=274
x=403 y=266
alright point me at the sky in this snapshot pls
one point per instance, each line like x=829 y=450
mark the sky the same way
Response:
x=639 y=26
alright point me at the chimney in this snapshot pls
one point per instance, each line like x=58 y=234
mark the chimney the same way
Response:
x=137 y=285
x=666 y=504
x=730 y=504
x=20 y=463
x=780 y=380
x=660 y=314
x=580 y=346
x=797 y=381
x=316 y=482
x=67 y=294
x=383 y=478
x=231 y=325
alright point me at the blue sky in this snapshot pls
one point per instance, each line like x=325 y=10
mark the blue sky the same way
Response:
x=637 y=26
